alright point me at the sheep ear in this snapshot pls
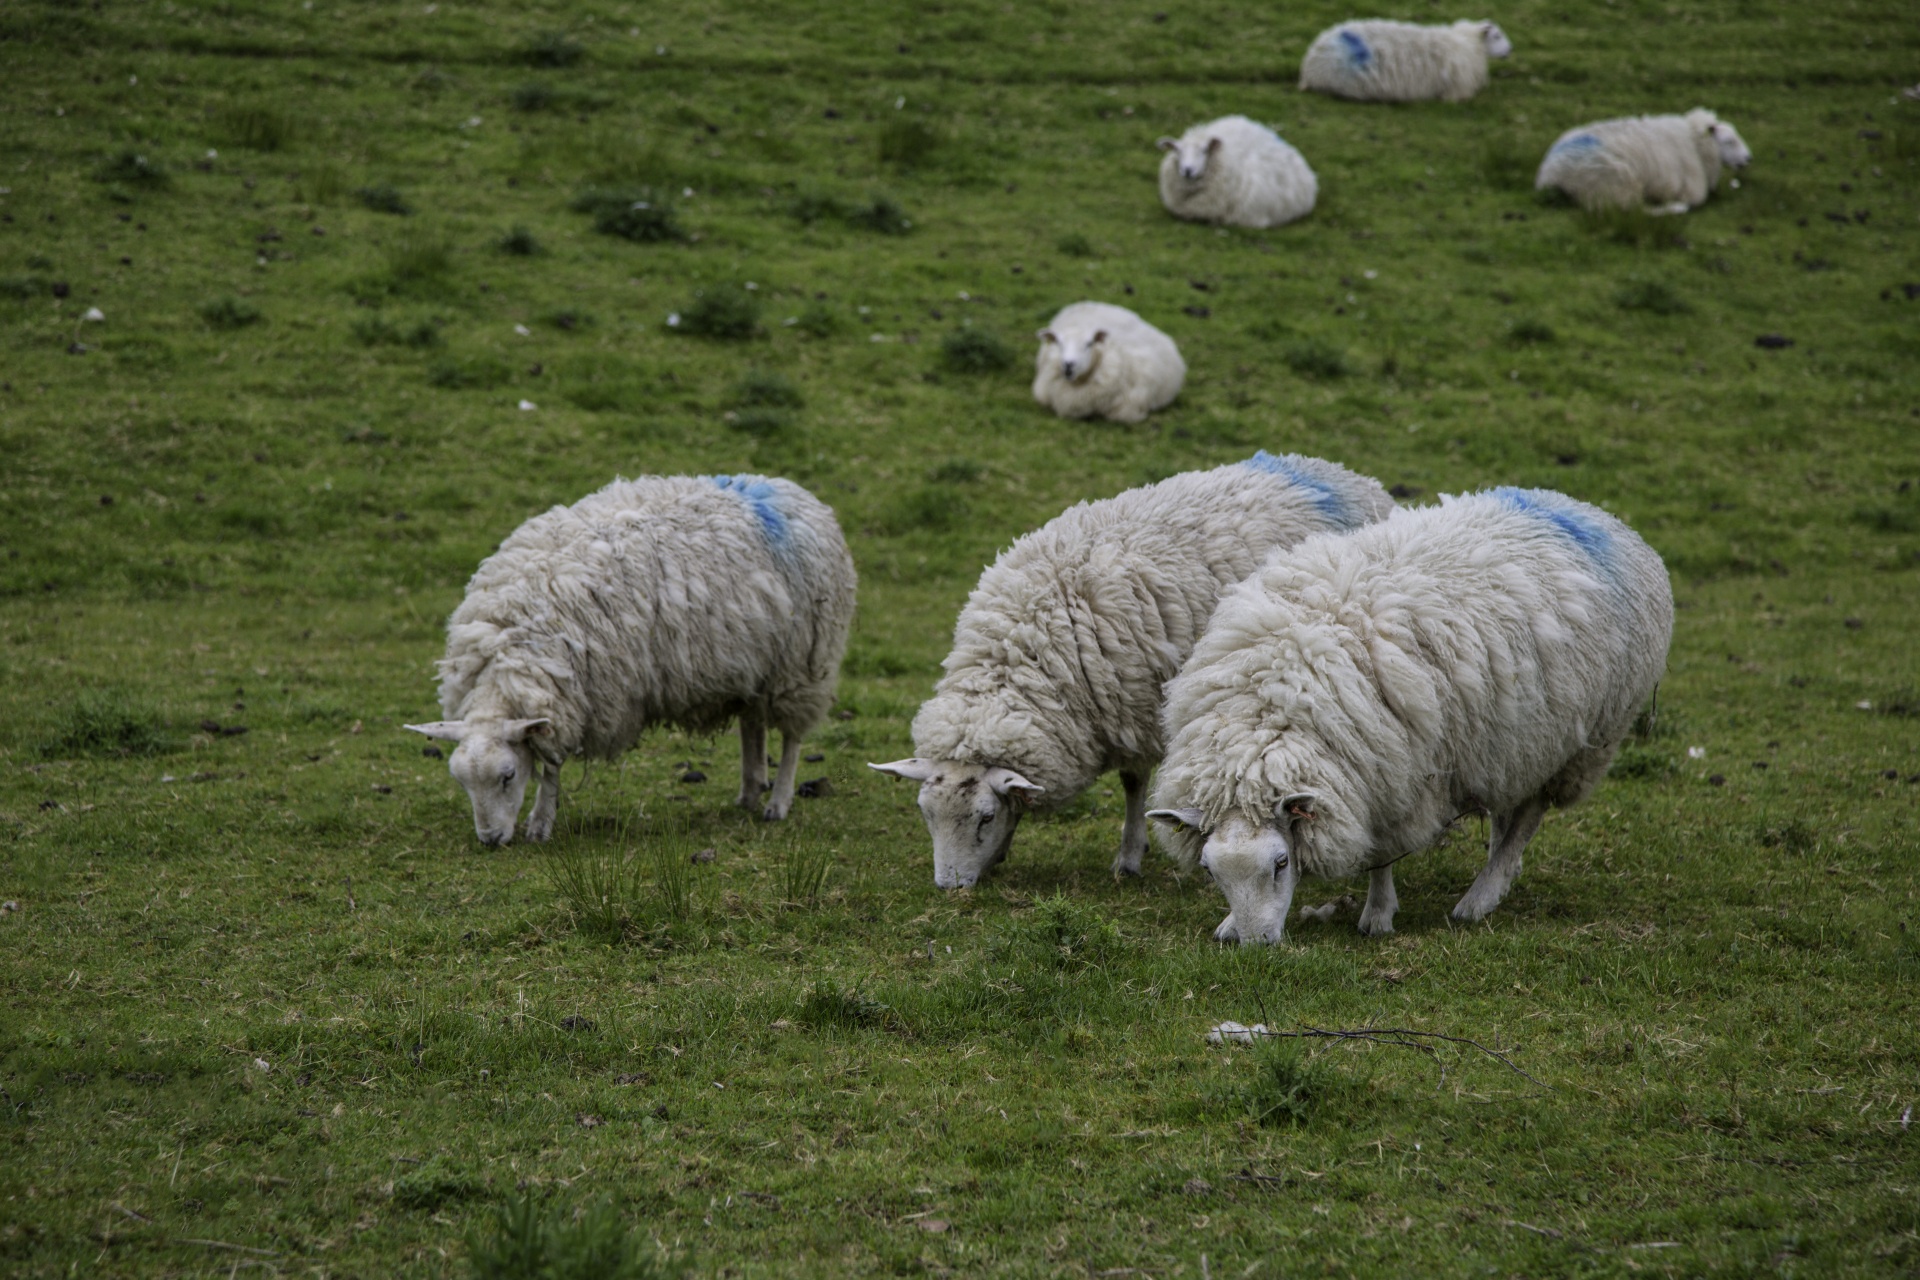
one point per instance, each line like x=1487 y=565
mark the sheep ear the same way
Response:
x=1191 y=819
x=1213 y=145
x=912 y=769
x=1045 y=335
x=1005 y=782
x=1167 y=144
x=1299 y=805
x=441 y=730
x=538 y=735
x=1100 y=335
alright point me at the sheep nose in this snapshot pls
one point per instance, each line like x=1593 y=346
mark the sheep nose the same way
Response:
x=1068 y=367
x=494 y=839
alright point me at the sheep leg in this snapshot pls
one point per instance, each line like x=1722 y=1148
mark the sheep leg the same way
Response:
x=546 y=804
x=1511 y=831
x=1133 y=834
x=1376 y=918
x=753 y=760
x=782 y=799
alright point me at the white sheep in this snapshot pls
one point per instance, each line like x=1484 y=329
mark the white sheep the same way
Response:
x=1235 y=172
x=1060 y=653
x=1359 y=692
x=683 y=600
x=1097 y=360
x=1381 y=61
x=1666 y=164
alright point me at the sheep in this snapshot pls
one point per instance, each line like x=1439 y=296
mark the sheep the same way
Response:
x=1235 y=172
x=1359 y=692
x=1097 y=360
x=1060 y=653
x=1666 y=164
x=1381 y=61
x=682 y=600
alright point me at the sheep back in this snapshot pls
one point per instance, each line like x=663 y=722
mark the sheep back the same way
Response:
x=1381 y=61
x=675 y=600
x=1637 y=160
x=1446 y=659
x=1140 y=371
x=1062 y=648
x=1256 y=180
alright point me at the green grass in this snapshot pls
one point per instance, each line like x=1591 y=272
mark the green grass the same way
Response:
x=266 y=1001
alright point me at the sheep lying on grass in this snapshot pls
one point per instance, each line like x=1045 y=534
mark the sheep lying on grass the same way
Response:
x=1101 y=361
x=683 y=600
x=1236 y=172
x=1060 y=653
x=1360 y=691
x=1381 y=61
x=1667 y=164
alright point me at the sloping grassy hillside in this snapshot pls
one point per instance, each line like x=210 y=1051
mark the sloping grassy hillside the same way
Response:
x=371 y=289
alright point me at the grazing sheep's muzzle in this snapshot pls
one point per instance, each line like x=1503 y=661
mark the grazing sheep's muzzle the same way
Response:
x=494 y=839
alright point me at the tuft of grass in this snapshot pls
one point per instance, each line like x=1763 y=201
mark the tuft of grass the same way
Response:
x=604 y=891
x=570 y=319
x=383 y=198
x=522 y=1241
x=828 y=1006
x=725 y=313
x=811 y=206
x=1528 y=331
x=1635 y=228
x=1065 y=934
x=105 y=722
x=519 y=243
x=1290 y=1083
x=957 y=471
x=378 y=331
x=1507 y=165
x=230 y=313
x=322 y=184
x=1901 y=702
x=640 y=214
x=473 y=373
x=803 y=873
x=551 y=49
x=135 y=169
x=909 y=143
x=881 y=214
x=1653 y=296
x=819 y=321
x=1315 y=359
x=1074 y=245
x=534 y=96
x=931 y=508
x=971 y=350
x=434 y=1183
x=761 y=388
x=256 y=127
x=1792 y=836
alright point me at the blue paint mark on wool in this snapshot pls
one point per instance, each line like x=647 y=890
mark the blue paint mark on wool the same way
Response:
x=1358 y=55
x=1564 y=514
x=1579 y=142
x=1328 y=499
x=764 y=500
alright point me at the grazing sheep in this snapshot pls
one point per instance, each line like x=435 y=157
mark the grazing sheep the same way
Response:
x=683 y=600
x=1060 y=653
x=1666 y=164
x=1101 y=361
x=1359 y=692
x=1381 y=61
x=1235 y=172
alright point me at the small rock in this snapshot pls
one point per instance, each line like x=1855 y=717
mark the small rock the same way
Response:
x=633 y=1077
x=588 y=1121
x=700 y=856
x=1405 y=491
x=1772 y=341
x=693 y=775
x=1717 y=780
x=1854 y=624
x=8 y=907
x=1198 y=1187
x=817 y=789
x=574 y=1022
x=1235 y=1033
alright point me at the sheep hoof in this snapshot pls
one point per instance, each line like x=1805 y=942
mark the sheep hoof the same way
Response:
x=1376 y=926
x=1125 y=866
x=537 y=833
x=773 y=814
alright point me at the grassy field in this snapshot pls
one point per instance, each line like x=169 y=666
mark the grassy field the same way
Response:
x=268 y=1006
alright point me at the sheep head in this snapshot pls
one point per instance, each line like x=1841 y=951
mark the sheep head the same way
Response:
x=1191 y=154
x=1078 y=356
x=1252 y=863
x=1733 y=149
x=971 y=811
x=1498 y=46
x=493 y=759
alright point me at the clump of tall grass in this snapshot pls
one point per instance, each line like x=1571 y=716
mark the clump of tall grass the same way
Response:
x=135 y=169
x=614 y=894
x=722 y=312
x=1654 y=296
x=803 y=873
x=640 y=214
x=827 y=1006
x=105 y=722
x=522 y=1241
x=551 y=49
x=882 y=214
x=519 y=242
x=1290 y=1084
x=971 y=350
x=230 y=313
x=383 y=197
x=1313 y=359
x=255 y=127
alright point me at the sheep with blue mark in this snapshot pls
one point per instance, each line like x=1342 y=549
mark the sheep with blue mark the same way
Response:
x=1376 y=60
x=1662 y=164
x=1061 y=651
x=1360 y=692
x=662 y=600
x=1097 y=360
x=1237 y=173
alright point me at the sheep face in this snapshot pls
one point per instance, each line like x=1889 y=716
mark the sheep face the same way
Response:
x=1498 y=46
x=971 y=811
x=1733 y=151
x=1076 y=355
x=1253 y=865
x=492 y=759
x=1191 y=155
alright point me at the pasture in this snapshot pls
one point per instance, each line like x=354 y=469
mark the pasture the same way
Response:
x=373 y=289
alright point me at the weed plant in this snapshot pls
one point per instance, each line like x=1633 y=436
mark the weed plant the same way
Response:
x=640 y=214
x=227 y=314
x=383 y=198
x=524 y=1239
x=975 y=351
x=255 y=127
x=105 y=722
x=519 y=243
x=726 y=313
x=552 y=49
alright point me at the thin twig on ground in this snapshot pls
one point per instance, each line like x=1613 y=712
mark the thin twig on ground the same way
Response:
x=1402 y=1037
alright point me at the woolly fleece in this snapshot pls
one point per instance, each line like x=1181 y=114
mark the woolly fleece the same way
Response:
x=1380 y=61
x=1671 y=163
x=1235 y=172
x=1101 y=361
